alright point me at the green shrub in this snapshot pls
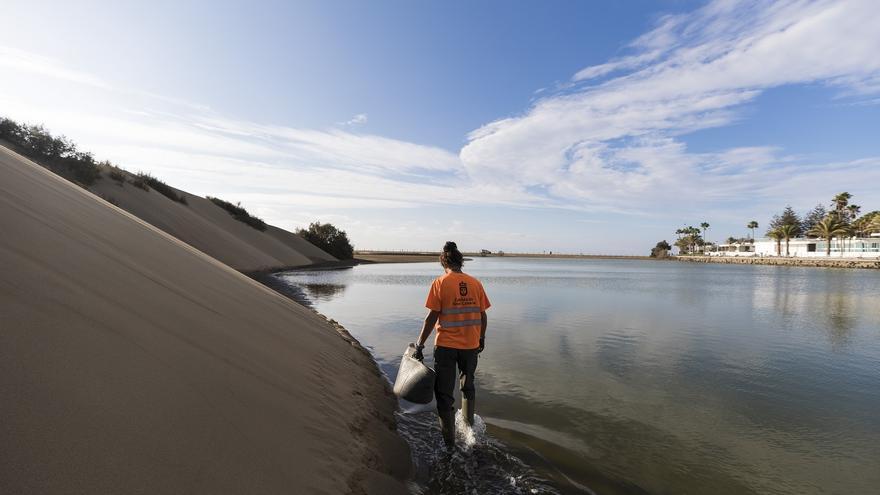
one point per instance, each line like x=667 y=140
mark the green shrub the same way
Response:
x=160 y=187
x=328 y=238
x=239 y=213
x=116 y=174
x=140 y=181
x=57 y=154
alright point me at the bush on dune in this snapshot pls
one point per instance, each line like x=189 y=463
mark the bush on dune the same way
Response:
x=115 y=173
x=58 y=154
x=239 y=213
x=328 y=238
x=140 y=181
x=146 y=181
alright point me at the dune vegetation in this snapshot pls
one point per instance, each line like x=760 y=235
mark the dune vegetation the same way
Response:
x=239 y=213
x=58 y=154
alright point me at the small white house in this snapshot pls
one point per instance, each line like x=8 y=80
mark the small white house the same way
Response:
x=732 y=249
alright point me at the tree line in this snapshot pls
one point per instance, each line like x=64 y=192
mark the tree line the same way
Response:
x=841 y=220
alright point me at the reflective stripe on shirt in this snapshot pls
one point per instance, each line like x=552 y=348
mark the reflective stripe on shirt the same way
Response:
x=458 y=311
x=463 y=323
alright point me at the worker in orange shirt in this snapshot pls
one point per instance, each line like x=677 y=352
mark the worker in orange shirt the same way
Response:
x=457 y=307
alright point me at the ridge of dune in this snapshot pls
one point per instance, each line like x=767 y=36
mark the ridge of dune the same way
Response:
x=212 y=230
x=132 y=362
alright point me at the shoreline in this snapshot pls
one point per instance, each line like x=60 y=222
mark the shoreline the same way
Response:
x=366 y=257
x=394 y=453
x=776 y=261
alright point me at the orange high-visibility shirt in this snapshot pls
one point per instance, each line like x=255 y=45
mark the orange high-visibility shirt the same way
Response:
x=459 y=298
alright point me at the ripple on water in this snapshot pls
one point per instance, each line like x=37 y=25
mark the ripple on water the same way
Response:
x=477 y=465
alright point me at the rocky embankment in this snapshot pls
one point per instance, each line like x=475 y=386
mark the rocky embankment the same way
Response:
x=757 y=260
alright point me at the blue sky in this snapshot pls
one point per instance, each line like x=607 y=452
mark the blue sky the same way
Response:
x=524 y=126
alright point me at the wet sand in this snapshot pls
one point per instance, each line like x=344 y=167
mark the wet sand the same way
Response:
x=395 y=258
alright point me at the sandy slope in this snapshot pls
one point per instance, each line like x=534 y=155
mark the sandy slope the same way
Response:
x=133 y=363
x=212 y=230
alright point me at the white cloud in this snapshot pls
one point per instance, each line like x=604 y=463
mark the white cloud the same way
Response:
x=625 y=63
x=615 y=143
x=23 y=61
x=358 y=119
x=199 y=151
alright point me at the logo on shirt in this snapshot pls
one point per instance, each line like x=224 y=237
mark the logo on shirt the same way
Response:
x=462 y=288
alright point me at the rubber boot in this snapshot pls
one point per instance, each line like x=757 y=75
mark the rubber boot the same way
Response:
x=447 y=427
x=467 y=410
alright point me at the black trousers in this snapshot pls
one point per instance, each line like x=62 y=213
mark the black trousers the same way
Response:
x=446 y=359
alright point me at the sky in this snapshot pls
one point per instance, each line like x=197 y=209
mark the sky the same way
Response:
x=564 y=126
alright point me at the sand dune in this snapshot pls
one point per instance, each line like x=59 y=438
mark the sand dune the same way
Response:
x=212 y=230
x=133 y=363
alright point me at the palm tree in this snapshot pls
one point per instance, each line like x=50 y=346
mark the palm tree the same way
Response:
x=873 y=225
x=752 y=225
x=852 y=212
x=862 y=225
x=841 y=201
x=776 y=235
x=787 y=232
x=705 y=227
x=828 y=228
x=693 y=236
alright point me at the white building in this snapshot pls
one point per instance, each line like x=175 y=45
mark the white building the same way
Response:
x=852 y=247
x=731 y=249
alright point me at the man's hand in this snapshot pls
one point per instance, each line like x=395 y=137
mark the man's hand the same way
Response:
x=482 y=346
x=418 y=354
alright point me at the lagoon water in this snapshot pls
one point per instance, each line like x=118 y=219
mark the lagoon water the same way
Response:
x=619 y=376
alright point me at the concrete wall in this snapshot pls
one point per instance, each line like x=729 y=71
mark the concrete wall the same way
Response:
x=783 y=261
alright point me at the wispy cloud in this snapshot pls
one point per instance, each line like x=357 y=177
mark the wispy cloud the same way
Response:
x=206 y=153
x=358 y=119
x=23 y=61
x=612 y=137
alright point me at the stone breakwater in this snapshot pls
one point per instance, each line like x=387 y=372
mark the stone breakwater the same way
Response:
x=757 y=260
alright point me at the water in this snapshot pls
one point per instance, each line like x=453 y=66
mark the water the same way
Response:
x=619 y=377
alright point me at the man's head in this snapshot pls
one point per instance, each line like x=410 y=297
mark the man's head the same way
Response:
x=451 y=258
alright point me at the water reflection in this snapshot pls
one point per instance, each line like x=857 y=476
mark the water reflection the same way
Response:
x=323 y=292
x=640 y=377
x=841 y=322
x=825 y=297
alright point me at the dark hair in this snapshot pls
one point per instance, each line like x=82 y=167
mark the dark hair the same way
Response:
x=451 y=257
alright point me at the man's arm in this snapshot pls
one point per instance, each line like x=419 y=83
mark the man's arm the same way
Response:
x=430 y=321
x=484 y=322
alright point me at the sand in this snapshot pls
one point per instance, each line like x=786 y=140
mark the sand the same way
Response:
x=132 y=363
x=212 y=230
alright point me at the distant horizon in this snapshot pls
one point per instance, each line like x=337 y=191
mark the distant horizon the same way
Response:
x=567 y=127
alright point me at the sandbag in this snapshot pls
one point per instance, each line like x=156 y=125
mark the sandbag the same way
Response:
x=415 y=381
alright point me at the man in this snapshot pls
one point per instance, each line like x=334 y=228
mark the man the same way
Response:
x=457 y=307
